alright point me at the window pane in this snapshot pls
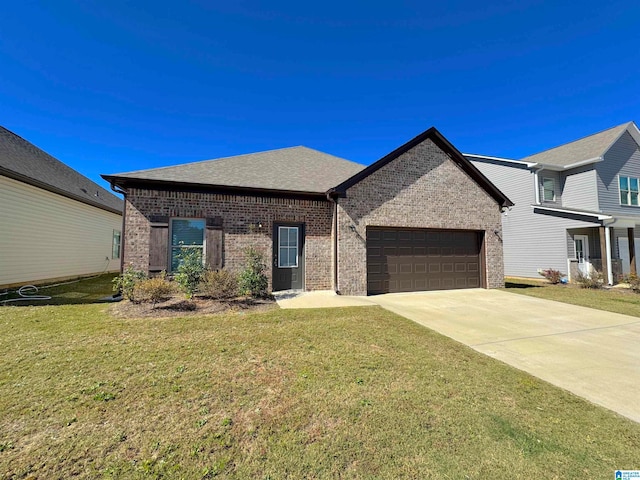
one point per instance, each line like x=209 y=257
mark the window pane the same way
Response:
x=634 y=198
x=633 y=184
x=283 y=257
x=293 y=257
x=624 y=198
x=187 y=232
x=176 y=254
x=293 y=237
x=283 y=236
x=624 y=183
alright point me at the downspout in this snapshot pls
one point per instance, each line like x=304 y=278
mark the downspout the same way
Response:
x=537 y=184
x=332 y=199
x=117 y=189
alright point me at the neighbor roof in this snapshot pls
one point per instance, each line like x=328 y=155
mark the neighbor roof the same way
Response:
x=25 y=162
x=294 y=169
x=585 y=150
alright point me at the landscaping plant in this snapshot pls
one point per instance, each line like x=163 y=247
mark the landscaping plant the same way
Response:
x=253 y=281
x=154 y=290
x=594 y=280
x=554 y=276
x=634 y=282
x=126 y=282
x=219 y=284
x=189 y=271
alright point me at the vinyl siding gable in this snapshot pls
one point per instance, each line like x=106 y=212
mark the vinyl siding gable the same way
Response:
x=623 y=158
x=580 y=188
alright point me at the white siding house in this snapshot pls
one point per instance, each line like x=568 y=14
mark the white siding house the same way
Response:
x=54 y=222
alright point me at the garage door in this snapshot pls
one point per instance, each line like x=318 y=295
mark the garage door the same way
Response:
x=402 y=260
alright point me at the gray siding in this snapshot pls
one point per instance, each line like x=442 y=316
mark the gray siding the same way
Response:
x=557 y=186
x=530 y=241
x=621 y=159
x=580 y=189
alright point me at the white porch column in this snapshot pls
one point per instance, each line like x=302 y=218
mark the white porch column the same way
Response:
x=607 y=237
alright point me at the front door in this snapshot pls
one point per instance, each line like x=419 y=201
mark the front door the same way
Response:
x=288 y=256
x=581 y=243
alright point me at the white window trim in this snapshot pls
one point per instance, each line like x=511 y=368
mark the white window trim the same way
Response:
x=629 y=204
x=113 y=244
x=280 y=227
x=171 y=246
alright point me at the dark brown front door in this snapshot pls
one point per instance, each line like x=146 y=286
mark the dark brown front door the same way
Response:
x=288 y=256
x=407 y=260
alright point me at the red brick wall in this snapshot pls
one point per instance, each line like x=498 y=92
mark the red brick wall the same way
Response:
x=422 y=188
x=240 y=215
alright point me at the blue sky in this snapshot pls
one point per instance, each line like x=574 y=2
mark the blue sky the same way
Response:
x=116 y=86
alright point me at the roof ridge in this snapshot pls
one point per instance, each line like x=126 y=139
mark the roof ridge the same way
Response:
x=231 y=157
x=626 y=125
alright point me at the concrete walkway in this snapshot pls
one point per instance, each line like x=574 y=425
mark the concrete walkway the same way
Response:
x=592 y=353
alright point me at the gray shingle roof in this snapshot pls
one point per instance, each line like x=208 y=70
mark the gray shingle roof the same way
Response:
x=24 y=161
x=587 y=148
x=294 y=169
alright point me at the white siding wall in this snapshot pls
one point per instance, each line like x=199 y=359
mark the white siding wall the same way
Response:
x=45 y=236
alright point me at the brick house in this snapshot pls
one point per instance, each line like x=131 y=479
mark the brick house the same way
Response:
x=421 y=218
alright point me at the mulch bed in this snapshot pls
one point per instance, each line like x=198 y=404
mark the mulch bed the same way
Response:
x=178 y=306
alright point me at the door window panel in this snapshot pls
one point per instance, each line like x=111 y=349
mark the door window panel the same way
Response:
x=287 y=247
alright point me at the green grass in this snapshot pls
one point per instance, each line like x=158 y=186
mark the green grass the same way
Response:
x=617 y=300
x=336 y=393
x=91 y=290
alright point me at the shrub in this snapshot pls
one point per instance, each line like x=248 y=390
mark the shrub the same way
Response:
x=154 y=290
x=126 y=282
x=253 y=281
x=634 y=282
x=594 y=280
x=554 y=276
x=189 y=271
x=219 y=284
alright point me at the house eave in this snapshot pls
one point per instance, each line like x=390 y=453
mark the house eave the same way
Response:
x=125 y=182
x=598 y=216
x=58 y=191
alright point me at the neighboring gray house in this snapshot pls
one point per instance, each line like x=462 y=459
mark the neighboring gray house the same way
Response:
x=576 y=205
x=420 y=218
x=54 y=222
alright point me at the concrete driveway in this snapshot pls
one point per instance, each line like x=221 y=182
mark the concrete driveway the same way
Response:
x=592 y=353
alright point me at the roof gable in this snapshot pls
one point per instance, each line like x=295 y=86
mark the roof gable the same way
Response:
x=436 y=137
x=589 y=149
x=294 y=169
x=25 y=162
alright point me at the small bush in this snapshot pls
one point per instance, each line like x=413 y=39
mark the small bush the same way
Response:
x=219 y=284
x=554 y=276
x=189 y=271
x=126 y=282
x=634 y=282
x=594 y=280
x=253 y=281
x=154 y=290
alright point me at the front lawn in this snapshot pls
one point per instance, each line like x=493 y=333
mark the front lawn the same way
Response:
x=349 y=393
x=618 y=300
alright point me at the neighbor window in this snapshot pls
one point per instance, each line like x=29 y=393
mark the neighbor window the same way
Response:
x=628 y=191
x=186 y=234
x=548 y=190
x=115 y=244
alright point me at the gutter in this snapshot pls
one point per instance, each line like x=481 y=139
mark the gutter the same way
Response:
x=332 y=197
